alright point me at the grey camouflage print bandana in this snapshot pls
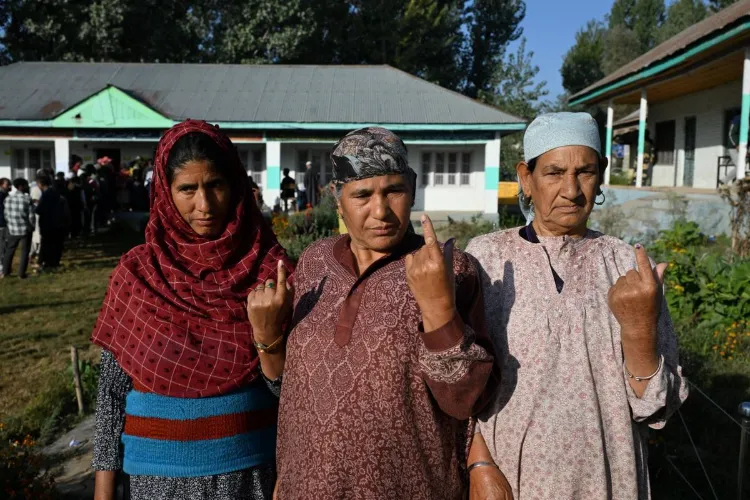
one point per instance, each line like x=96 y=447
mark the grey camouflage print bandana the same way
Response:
x=370 y=152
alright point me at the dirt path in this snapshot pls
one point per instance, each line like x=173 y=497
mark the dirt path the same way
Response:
x=73 y=474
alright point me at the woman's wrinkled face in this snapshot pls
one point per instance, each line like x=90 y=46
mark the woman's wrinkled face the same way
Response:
x=376 y=211
x=563 y=188
x=202 y=196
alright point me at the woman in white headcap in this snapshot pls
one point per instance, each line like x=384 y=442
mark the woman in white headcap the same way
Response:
x=581 y=326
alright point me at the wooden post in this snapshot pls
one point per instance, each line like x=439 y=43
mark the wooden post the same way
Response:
x=77 y=378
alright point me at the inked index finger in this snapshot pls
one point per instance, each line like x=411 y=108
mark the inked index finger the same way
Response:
x=644 y=264
x=430 y=238
x=281 y=281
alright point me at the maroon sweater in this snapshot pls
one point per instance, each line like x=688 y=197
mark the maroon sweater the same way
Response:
x=371 y=406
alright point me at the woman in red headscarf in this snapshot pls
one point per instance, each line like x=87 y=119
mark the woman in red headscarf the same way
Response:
x=188 y=392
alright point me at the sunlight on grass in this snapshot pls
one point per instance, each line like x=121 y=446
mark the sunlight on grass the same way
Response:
x=42 y=316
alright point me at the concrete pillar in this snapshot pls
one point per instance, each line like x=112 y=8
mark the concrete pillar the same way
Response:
x=641 y=138
x=608 y=139
x=62 y=155
x=744 y=117
x=272 y=190
x=491 y=174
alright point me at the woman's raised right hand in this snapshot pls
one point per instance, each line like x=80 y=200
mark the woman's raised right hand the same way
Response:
x=269 y=307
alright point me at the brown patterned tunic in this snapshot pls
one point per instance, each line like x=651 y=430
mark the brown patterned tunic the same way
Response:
x=371 y=407
x=566 y=424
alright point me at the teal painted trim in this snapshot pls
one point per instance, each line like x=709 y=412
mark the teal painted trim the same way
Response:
x=641 y=138
x=669 y=63
x=52 y=124
x=745 y=120
x=608 y=146
x=273 y=177
x=500 y=127
x=491 y=178
x=390 y=126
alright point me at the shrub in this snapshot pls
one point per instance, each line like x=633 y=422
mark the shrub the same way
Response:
x=23 y=471
x=299 y=230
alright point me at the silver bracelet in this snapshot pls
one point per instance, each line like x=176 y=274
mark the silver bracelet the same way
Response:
x=482 y=464
x=640 y=379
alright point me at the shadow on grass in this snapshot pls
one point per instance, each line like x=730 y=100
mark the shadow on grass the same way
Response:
x=12 y=308
x=102 y=250
x=716 y=437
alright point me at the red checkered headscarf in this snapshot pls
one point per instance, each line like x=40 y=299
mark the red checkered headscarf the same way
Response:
x=174 y=314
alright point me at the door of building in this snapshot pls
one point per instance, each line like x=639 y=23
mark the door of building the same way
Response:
x=689 y=169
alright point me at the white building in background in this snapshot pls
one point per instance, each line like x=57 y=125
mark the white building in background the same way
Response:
x=278 y=116
x=689 y=89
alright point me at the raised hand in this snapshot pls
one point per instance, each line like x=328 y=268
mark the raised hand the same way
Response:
x=635 y=299
x=429 y=273
x=269 y=307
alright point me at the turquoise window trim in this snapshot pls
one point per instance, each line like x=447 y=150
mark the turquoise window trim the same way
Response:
x=744 y=119
x=491 y=177
x=667 y=64
x=273 y=177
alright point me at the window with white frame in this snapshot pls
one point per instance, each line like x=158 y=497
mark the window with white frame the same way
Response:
x=26 y=162
x=451 y=168
x=426 y=167
x=256 y=165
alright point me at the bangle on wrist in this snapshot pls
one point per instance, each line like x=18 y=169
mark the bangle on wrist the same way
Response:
x=640 y=379
x=268 y=348
x=482 y=464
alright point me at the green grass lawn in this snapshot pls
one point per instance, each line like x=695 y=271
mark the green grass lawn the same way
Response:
x=42 y=316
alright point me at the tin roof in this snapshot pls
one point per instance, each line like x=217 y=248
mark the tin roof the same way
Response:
x=724 y=19
x=244 y=93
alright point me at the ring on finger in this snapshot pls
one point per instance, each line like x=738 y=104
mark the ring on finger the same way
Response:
x=270 y=284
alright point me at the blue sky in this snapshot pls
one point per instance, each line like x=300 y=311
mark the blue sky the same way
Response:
x=550 y=27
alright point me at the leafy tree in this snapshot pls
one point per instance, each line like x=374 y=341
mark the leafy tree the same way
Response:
x=43 y=30
x=514 y=86
x=649 y=16
x=582 y=65
x=491 y=25
x=514 y=89
x=642 y=17
x=258 y=31
x=681 y=15
x=621 y=46
x=717 y=5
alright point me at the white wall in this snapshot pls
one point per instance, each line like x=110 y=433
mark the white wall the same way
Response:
x=5 y=155
x=708 y=107
x=450 y=198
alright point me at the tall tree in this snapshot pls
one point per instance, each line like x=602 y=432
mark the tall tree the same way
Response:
x=648 y=20
x=258 y=31
x=681 y=15
x=717 y=5
x=514 y=89
x=43 y=30
x=621 y=46
x=582 y=65
x=491 y=25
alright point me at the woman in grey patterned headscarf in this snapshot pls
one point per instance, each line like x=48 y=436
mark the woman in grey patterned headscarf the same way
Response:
x=371 y=152
x=388 y=357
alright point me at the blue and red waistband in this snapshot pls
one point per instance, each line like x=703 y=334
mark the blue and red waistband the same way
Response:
x=189 y=437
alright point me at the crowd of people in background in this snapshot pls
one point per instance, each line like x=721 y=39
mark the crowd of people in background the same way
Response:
x=37 y=218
